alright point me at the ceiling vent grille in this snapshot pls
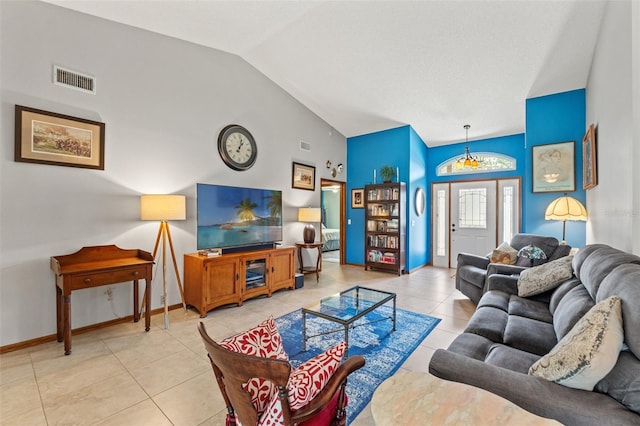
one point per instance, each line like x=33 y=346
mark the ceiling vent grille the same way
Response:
x=74 y=80
x=305 y=146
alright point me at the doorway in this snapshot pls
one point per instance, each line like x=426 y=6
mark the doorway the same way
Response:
x=333 y=209
x=472 y=217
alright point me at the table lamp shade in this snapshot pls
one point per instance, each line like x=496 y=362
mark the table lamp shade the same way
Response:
x=565 y=208
x=163 y=207
x=309 y=214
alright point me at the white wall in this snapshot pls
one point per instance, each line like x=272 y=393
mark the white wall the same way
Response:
x=613 y=106
x=164 y=101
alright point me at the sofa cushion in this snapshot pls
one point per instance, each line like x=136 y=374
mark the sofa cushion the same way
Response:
x=471 y=345
x=510 y=358
x=573 y=306
x=531 y=256
x=588 y=352
x=488 y=322
x=544 y=277
x=623 y=382
x=528 y=308
x=559 y=292
x=504 y=253
x=599 y=265
x=529 y=335
x=495 y=299
x=472 y=274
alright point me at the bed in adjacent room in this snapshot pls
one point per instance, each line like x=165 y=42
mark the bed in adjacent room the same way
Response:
x=330 y=238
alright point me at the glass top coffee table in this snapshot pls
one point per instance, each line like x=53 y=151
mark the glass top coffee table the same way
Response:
x=345 y=308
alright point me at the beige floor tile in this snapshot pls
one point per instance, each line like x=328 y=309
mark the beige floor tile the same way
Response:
x=165 y=373
x=15 y=366
x=20 y=403
x=94 y=402
x=191 y=402
x=145 y=413
x=439 y=339
x=419 y=359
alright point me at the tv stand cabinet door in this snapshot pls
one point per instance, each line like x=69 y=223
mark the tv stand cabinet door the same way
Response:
x=282 y=269
x=222 y=276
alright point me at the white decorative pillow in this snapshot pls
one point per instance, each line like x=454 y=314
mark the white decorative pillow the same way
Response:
x=504 y=253
x=305 y=383
x=539 y=279
x=262 y=341
x=587 y=353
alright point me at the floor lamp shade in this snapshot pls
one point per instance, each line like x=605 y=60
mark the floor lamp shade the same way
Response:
x=310 y=215
x=565 y=208
x=163 y=207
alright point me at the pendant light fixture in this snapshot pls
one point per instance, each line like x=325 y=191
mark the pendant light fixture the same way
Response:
x=467 y=161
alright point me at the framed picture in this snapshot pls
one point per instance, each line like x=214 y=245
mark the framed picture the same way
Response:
x=589 y=159
x=303 y=177
x=49 y=138
x=357 y=198
x=554 y=167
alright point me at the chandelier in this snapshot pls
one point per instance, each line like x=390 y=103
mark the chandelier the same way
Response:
x=467 y=161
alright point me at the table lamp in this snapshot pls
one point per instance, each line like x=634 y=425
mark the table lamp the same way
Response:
x=310 y=215
x=565 y=208
x=164 y=208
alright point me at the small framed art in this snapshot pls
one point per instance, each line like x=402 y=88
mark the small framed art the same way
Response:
x=554 y=167
x=50 y=138
x=357 y=198
x=589 y=159
x=303 y=177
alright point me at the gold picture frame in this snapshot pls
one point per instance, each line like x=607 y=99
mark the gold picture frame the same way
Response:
x=357 y=198
x=45 y=137
x=589 y=159
x=303 y=177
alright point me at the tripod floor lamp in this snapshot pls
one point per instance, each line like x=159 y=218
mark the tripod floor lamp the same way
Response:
x=164 y=208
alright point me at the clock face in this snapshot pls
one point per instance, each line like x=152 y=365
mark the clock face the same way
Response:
x=237 y=148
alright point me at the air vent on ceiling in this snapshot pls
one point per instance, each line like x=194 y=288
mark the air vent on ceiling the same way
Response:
x=305 y=146
x=74 y=80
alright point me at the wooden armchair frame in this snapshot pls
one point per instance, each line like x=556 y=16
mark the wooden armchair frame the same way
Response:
x=232 y=370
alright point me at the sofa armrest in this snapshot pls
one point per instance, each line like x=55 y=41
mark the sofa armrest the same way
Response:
x=473 y=260
x=541 y=397
x=506 y=283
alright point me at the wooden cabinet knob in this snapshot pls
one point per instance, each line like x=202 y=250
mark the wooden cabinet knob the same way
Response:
x=87 y=280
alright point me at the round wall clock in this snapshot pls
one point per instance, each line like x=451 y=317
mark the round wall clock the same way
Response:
x=237 y=147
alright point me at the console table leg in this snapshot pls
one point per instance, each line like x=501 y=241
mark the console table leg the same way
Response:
x=59 y=322
x=147 y=312
x=136 y=312
x=66 y=313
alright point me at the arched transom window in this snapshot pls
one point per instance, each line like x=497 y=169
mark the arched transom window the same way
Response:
x=487 y=162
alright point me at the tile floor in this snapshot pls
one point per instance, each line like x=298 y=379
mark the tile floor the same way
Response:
x=121 y=375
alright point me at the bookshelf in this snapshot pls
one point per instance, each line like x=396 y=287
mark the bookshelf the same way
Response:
x=385 y=227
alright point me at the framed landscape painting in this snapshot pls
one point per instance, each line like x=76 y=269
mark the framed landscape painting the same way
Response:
x=49 y=138
x=554 y=167
x=303 y=177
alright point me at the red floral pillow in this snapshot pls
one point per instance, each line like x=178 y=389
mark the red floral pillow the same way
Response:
x=262 y=341
x=305 y=383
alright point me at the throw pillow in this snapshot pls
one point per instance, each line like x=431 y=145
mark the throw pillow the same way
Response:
x=262 y=341
x=544 y=277
x=531 y=256
x=305 y=383
x=504 y=253
x=587 y=353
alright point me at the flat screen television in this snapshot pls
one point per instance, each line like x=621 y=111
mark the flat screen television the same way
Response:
x=235 y=217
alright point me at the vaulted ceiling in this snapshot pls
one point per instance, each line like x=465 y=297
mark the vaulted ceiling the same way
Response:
x=365 y=66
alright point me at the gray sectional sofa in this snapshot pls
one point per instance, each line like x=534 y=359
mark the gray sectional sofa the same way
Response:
x=508 y=333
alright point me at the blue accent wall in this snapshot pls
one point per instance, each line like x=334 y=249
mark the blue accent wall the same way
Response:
x=366 y=153
x=554 y=118
x=560 y=117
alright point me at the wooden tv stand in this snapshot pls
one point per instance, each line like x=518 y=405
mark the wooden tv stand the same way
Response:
x=213 y=281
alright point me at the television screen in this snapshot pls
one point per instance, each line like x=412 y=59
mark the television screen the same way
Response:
x=230 y=216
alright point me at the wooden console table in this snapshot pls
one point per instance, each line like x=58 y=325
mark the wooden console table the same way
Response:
x=310 y=269
x=97 y=266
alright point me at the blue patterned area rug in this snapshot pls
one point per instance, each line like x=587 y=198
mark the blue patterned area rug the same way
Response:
x=383 y=349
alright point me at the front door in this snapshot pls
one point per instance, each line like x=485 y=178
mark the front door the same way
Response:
x=472 y=217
